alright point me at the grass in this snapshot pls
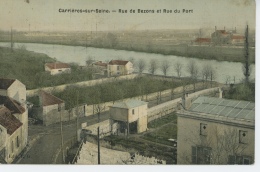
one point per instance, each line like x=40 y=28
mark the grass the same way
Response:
x=164 y=120
x=169 y=131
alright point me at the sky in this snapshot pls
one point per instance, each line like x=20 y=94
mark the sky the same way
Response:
x=44 y=15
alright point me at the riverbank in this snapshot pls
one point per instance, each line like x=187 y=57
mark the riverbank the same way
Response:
x=176 y=43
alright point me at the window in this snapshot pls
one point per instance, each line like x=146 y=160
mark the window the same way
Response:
x=17 y=141
x=234 y=159
x=203 y=129
x=59 y=107
x=200 y=155
x=243 y=137
x=133 y=111
x=117 y=67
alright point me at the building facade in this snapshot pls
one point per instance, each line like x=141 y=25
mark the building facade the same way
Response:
x=131 y=115
x=57 y=68
x=216 y=131
x=119 y=67
x=13 y=119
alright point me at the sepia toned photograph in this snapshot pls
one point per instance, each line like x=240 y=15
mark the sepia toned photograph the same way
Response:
x=120 y=82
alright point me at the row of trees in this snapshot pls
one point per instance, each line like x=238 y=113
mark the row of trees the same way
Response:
x=206 y=73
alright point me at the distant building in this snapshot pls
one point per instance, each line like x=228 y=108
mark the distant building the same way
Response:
x=131 y=115
x=13 y=119
x=101 y=67
x=202 y=41
x=119 y=67
x=222 y=37
x=57 y=68
x=216 y=131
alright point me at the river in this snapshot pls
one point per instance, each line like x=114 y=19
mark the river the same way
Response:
x=79 y=54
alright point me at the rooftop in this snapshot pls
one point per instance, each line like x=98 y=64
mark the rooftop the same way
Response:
x=128 y=104
x=118 y=62
x=9 y=121
x=57 y=65
x=49 y=99
x=6 y=83
x=232 y=109
x=13 y=105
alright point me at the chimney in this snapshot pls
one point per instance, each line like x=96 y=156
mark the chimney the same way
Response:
x=224 y=28
x=235 y=29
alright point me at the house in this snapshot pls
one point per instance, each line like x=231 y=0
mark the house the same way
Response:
x=237 y=39
x=13 y=88
x=119 y=67
x=131 y=115
x=101 y=67
x=50 y=107
x=13 y=128
x=57 y=68
x=216 y=131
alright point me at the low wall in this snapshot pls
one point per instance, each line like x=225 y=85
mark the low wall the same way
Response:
x=106 y=128
x=30 y=93
x=170 y=106
x=53 y=116
x=91 y=108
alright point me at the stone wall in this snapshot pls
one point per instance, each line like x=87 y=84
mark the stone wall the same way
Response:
x=30 y=93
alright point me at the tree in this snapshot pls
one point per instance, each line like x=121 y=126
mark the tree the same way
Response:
x=89 y=61
x=206 y=73
x=141 y=65
x=153 y=66
x=246 y=62
x=112 y=40
x=178 y=67
x=165 y=67
x=193 y=70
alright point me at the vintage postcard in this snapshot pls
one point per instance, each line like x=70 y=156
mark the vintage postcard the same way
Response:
x=120 y=82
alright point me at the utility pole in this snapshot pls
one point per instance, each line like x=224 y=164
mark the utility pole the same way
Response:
x=12 y=44
x=77 y=114
x=246 y=50
x=61 y=133
x=98 y=138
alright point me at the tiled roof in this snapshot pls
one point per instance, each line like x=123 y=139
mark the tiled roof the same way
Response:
x=118 y=62
x=203 y=40
x=232 y=109
x=13 y=105
x=49 y=99
x=57 y=65
x=100 y=63
x=9 y=121
x=222 y=31
x=6 y=83
x=128 y=104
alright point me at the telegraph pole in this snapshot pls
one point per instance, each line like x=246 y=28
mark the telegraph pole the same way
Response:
x=61 y=133
x=77 y=113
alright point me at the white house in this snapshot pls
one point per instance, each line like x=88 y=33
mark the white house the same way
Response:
x=51 y=106
x=216 y=131
x=13 y=128
x=13 y=88
x=119 y=67
x=131 y=115
x=57 y=68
